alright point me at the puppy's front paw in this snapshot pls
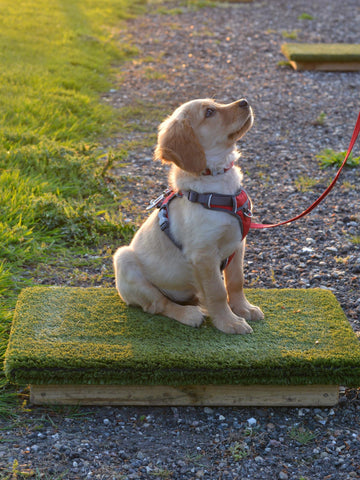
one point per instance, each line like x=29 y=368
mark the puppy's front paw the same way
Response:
x=235 y=325
x=248 y=311
x=255 y=313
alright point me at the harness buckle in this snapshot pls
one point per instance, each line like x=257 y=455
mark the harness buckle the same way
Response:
x=248 y=213
x=209 y=201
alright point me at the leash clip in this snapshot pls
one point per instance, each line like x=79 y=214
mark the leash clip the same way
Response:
x=155 y=202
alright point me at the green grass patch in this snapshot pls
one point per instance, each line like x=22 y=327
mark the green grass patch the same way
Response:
x=302 y=435
x=305 y=16
x=57 y=58
x=292 y=35
x=330 y=158
x=320 y=120
x=89 y=336
x=305 y=183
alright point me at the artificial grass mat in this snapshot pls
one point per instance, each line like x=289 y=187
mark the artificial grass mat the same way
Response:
x=64 y=335
x=322 y=52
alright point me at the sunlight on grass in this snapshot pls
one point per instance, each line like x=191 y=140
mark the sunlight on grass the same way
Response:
x=57 y=57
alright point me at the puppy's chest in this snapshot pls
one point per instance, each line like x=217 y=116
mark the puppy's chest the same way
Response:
x=198 y=226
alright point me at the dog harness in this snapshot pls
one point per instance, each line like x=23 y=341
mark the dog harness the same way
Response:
x=238 y=205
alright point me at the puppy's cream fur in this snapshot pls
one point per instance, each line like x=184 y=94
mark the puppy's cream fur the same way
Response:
x=186 y=284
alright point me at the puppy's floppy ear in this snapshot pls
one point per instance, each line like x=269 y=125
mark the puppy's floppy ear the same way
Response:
x=177 y=143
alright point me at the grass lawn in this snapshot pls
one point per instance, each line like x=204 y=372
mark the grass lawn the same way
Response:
x=55 y=201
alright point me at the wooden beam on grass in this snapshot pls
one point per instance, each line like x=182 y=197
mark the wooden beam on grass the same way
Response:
x=334 y=57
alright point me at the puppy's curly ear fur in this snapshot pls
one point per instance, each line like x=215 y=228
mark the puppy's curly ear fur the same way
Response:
x=177 y=143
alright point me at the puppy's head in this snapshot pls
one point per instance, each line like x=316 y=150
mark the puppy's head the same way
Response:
x=199 y=127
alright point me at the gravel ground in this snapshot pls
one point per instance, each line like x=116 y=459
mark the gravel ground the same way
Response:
x=229 y=53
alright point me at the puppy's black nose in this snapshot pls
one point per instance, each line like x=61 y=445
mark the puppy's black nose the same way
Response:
x=243 y=103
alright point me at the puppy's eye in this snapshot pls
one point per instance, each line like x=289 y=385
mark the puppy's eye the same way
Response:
x=209 y=112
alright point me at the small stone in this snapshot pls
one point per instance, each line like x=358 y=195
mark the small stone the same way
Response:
x=140 y=455
x=274 y=443
x=259 y=459
x=283 y=476
x=221 y=417
x=106 y=421
x=251 y=422
x=208 y=410
x=288 y=267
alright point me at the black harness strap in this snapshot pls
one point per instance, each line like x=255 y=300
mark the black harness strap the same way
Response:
x=164 y=221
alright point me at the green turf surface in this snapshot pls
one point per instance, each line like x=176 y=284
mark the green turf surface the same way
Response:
x=321 y=52
x=89 y=336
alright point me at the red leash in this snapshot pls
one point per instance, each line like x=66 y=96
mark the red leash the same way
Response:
x=325 y=193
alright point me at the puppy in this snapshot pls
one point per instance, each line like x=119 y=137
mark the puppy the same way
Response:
x=173 y=265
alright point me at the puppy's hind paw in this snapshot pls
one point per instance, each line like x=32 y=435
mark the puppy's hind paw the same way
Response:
x=191 y=316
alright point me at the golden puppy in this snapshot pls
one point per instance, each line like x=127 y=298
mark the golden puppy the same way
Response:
x=173 y=264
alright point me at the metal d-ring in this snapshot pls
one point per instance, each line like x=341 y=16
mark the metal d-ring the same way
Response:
x=248 y=213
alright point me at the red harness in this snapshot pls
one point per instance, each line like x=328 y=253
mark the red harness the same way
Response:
x=238 y=205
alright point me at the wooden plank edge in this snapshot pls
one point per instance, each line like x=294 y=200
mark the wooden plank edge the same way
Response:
x=326 y=66
x=195 y=395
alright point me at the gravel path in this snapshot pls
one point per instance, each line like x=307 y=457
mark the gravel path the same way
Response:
x=229 y=53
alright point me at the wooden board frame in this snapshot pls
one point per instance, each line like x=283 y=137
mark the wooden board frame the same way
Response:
x=195 y=395
x=326 y=66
